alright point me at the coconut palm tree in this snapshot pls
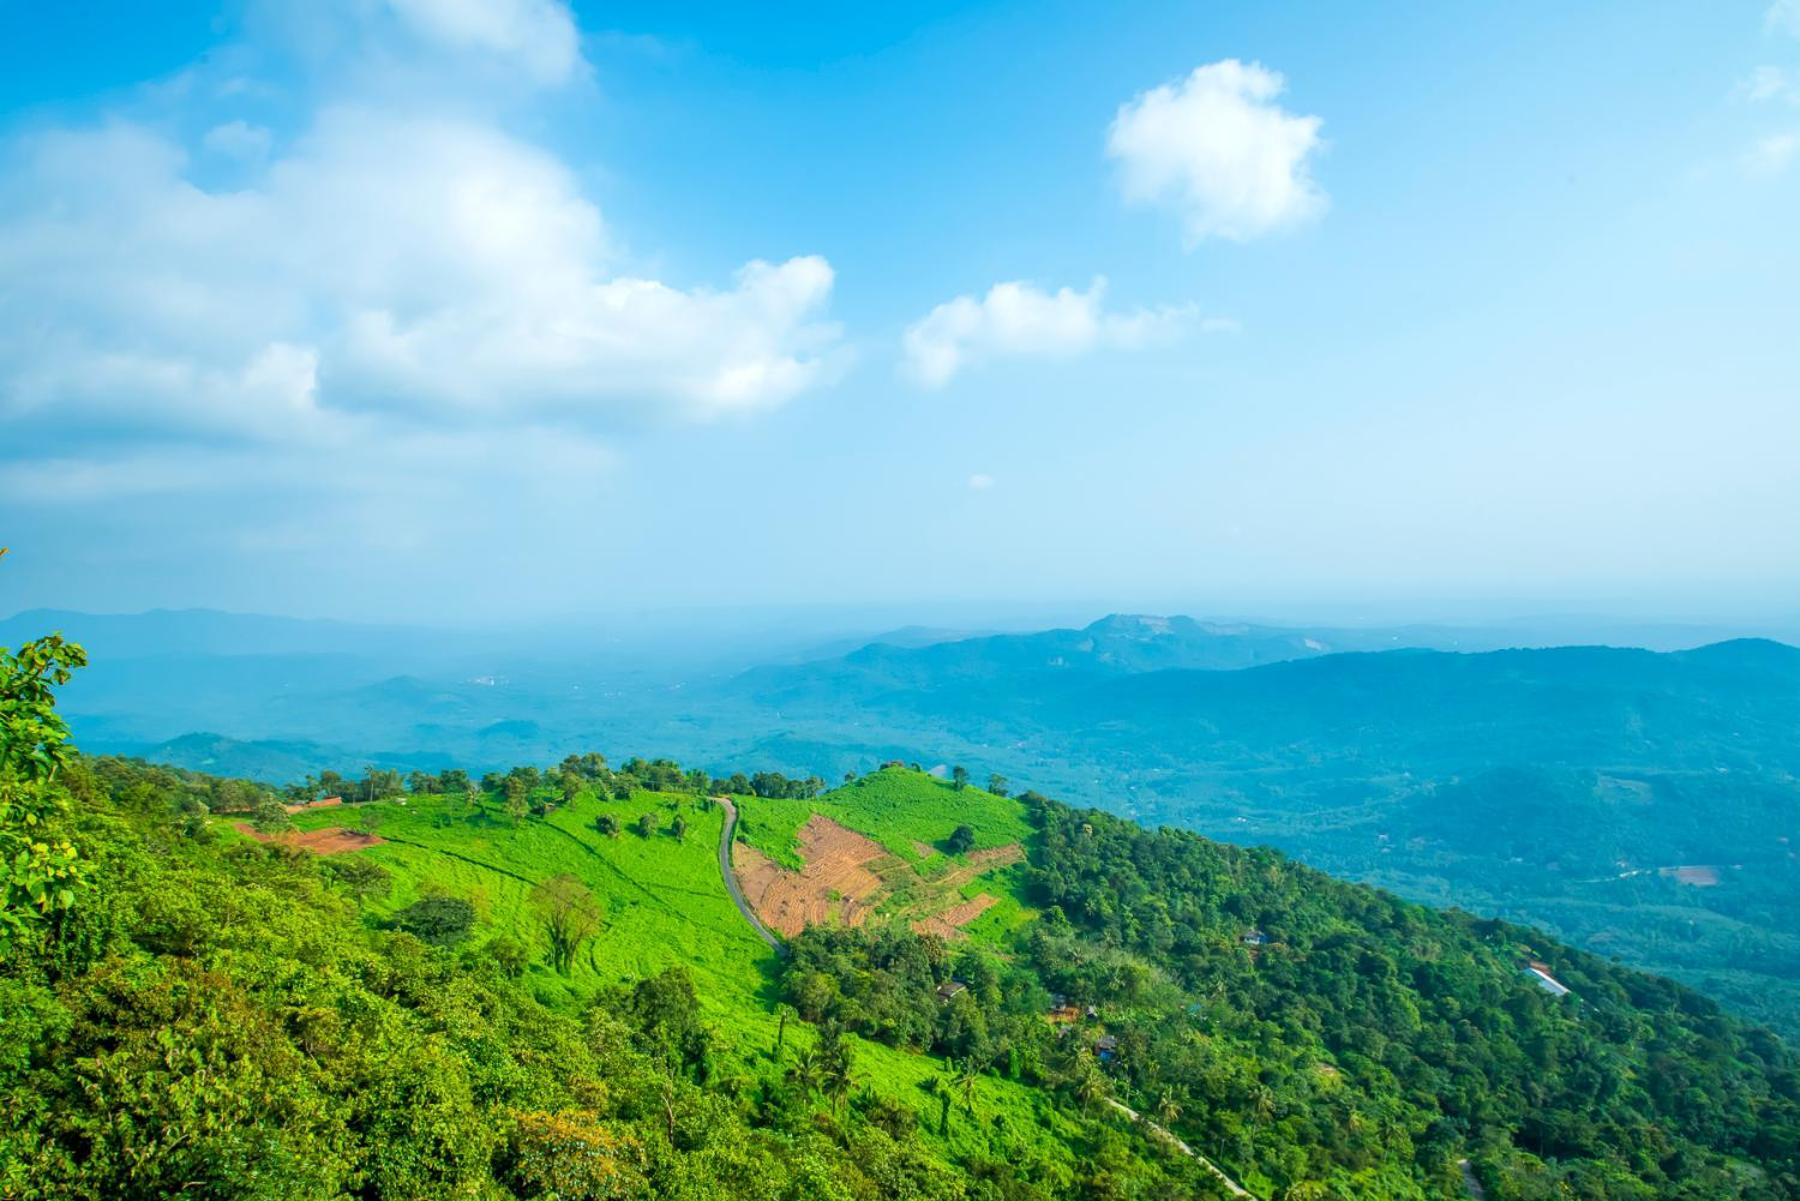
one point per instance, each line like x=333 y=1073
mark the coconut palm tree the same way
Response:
x=1168 y=1107
x=805 y=1072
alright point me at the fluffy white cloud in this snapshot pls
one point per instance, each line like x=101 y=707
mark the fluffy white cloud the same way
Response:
x=1219 y=150
x=440 y=268
x=538 y=36
x=1017 y=319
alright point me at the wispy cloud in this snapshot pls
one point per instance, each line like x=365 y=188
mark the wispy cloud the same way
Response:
x=1783 y=17
x=1017 y=319
x=1772 y=155
x=538 y=36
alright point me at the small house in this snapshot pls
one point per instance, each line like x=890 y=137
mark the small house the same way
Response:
x=1255 y=938
x=950 y=990
x=1107 y=1048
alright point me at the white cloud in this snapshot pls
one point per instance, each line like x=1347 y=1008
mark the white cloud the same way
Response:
x=239 y=140
x=1017 y=319
x=1772 y=155
x=980 y=482
x=538 y=36
x=1783 y=17
x=1217 y=149
x=439 y=268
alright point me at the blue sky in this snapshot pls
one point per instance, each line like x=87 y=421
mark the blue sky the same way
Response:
x=458 y=310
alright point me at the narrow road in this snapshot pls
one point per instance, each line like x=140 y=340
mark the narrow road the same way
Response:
x=731 y=883
x=1232 y=1186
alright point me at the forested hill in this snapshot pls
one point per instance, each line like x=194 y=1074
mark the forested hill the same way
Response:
x=537 y=985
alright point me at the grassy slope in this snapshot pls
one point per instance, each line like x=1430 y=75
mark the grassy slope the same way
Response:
x=666 y=906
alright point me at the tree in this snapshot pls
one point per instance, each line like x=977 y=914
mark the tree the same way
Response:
x=270 y=817
x=364 y=878
x=783 y=1011
x=959 y=777
x=835 y=1076
x=968 y=1074
x=961 y=840
x=518 y=799
x=997 y=784
x=1090 y=1084
x=510 y=955
x=805 y=1072
x=571 y=787
x=646 y=825
x=40 y=871
x=34 y=740
x=569 y=914
x=607 y=825
x=1168 y=1107
x=679 y=828
x=378 y=784
x=440 y=921
x=666 y=1010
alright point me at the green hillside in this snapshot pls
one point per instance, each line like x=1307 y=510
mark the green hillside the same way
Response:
x=538 y=985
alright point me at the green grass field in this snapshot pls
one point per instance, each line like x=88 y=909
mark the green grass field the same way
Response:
x=665 y=905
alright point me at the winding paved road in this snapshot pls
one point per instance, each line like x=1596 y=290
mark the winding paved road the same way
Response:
x=731 y=882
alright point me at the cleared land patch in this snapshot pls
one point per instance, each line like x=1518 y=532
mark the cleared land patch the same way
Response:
x=835 y=883
x=332 y=840
x=950 y=922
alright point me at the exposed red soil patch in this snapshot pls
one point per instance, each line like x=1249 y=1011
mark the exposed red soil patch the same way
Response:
x=333 y=840
x=835 y=884
x=950 y=922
